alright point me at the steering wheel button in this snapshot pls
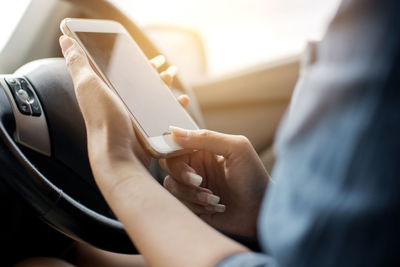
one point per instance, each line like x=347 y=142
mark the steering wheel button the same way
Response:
x=36 y=111
x=26 y=87
x=11 y=81
x=20 y=96
x=24 y=108
x=23 y=95
x=14 y=86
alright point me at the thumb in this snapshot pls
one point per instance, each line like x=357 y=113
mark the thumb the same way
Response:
x=214 y=142
x=77 y=62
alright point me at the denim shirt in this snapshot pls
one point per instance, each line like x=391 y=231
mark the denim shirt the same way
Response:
x=335 y=195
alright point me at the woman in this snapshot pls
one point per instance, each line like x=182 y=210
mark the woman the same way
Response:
x=336 y=199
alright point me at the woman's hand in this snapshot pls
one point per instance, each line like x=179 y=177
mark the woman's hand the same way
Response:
x=108 y=125
x=168 y=77
x=109 y=108
x=230 y=169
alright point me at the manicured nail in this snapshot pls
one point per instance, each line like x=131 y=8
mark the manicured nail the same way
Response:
x=208 y=198
x=65 y=43
x=194 y=178
x=158 y=61
x=172 y=71
x=220 y=208
x=178 y=131
x=216 y=208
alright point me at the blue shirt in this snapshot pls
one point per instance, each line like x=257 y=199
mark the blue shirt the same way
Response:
x=335 y=196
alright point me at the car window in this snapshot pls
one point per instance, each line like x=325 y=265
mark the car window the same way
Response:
x=240 y=33
x=10 y=17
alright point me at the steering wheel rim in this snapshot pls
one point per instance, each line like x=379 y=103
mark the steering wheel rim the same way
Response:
x=54 y=206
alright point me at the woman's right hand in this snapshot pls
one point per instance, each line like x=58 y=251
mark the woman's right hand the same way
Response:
x=225 y=169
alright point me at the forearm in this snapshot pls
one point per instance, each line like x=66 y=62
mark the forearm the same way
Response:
x=163 y=229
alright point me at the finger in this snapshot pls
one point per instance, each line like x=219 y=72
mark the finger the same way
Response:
x=190 y=194
x=157 y=61
x=216 y=208
x=168 y=75
x=166 y=78
x=172 y=71
x=214 y=142
x=77 y=62
x=184 y=100
x=85 y=80
x=208 y=218
x=181 y=171
x=163 y=165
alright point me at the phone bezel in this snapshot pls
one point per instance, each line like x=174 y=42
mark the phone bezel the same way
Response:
x=161 y=146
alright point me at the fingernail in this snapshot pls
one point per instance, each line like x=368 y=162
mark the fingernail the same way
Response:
x=220 y=208
x=194 y=178
x=179 y=132
x=65 y=43
x=159 y=60
x=172 y=70
x=216 y=208
x=166 y=181
x=208 y=198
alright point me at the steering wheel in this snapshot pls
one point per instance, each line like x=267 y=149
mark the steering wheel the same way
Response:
x=43 y=145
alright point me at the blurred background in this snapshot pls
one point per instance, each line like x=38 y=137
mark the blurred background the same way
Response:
x=239 y=59
x=236 y=33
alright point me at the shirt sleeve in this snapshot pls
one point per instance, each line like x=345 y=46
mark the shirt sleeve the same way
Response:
x=250 y=259
x=335 y=195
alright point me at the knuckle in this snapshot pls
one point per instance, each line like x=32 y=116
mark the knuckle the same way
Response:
x=73 y=57
x=90 y=79
x=203 y=133
x=242 y=141
x=86 y=80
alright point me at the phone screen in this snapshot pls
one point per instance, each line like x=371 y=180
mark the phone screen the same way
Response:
x=136 y=82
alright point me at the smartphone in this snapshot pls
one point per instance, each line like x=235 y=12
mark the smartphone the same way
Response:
x=121 y=63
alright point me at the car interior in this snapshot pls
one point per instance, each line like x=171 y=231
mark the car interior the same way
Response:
x=48 y=195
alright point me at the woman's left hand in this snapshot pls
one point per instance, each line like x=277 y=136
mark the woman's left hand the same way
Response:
x=108 y=125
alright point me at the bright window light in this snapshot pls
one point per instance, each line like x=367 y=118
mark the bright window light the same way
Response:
x=240 y=33
x=12 y=12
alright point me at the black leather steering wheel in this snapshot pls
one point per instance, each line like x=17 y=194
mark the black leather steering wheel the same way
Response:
x=44 y=157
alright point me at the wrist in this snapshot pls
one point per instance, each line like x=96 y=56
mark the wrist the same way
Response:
x=115 y=176
x=106 y=147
